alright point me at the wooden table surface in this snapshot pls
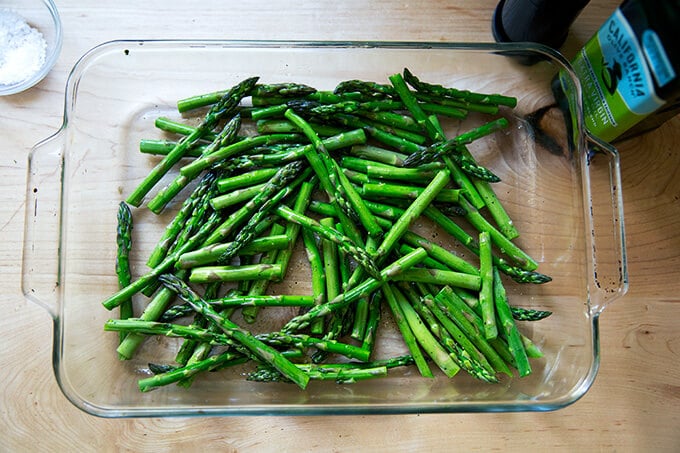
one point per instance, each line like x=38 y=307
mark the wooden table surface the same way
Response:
x=634 y=404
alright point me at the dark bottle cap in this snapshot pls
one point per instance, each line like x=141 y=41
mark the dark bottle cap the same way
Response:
x=542 y=21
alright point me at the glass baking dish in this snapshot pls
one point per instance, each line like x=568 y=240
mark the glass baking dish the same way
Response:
x=559 y=184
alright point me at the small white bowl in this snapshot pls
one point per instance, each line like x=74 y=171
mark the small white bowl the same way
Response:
x=42 y=15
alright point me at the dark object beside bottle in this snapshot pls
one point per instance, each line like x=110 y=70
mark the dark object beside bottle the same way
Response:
x=542 y=21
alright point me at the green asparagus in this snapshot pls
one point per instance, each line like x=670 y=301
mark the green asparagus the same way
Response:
x=458 y=94
x=380 y=158
x=246 y=339
x=124 y=241
x=224 y=108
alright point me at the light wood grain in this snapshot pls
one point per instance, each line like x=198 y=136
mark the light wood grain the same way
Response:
x=634 y=404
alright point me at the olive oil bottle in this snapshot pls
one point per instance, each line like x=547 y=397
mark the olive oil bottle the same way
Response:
x=630 y=70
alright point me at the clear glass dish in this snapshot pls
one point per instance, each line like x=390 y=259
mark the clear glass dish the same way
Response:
x=41 y=15
x=558 y=183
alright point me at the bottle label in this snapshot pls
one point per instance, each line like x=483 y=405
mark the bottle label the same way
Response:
x=657 y=58
x=618 y=88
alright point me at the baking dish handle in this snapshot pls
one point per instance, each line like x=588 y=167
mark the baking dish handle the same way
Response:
x=40 y=264
x=609 y=269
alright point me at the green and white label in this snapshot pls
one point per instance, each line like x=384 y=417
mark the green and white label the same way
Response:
x=618 y=87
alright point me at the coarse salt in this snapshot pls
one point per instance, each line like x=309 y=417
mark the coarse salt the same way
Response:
x=22 y=48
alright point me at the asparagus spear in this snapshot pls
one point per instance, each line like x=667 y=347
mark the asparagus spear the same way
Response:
x=293 y=229
x=282 y=126
x=456 y=103
x=396 y=120
x=173 y=229
x=403 y=140
x=224 y=138
x=176 y=312
x=236 y=197
x=448 y=304
x=428 y=263
x=361 y=307
x=262 y=90
x=355 y=293
x=429 y=344
x=258 y=348
x=271 y=190
x=412 y=105
x=164 y=147
x=194 y=168
x=364 y=214
x=400 y=174
x=270 y=111
x=445 y=110
x=451 y=338
x=337 y=187
x=332 y=280
x=342 y=373
x=463 y=181
x=286 y=89
x=331 y=266
x=279 y=300
x=166 y=329
x=212 y=253
x=349 y=106
x=362 y=164
x=286 y=180
x=340 y=376
x=441 y=254
x=345 y=243
x=460 y=177
x=371 y=326
x=224 y=108
x=377 y=154
x=302 y=340
x=451 y=148
x=412 y=212
x=153 y=311
x=207 y=274
x=178 y=374
x=346 y=139
x=176 y=127
x=384 y=190
x=322 y=164
x=494 y=206
x=386 y=134
x=367 y=88
x=318 y=276
x=509 y=327
x=198 y=216
x=193 y=351
x=124 y=242
x=241 y=301
x=406 y=332
x=441 y=277
x=468 y=306
x=527 y=314
x=486 y=293
x=517 y=273
x=524 y=260
x=439 y=90
x=142 y=282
